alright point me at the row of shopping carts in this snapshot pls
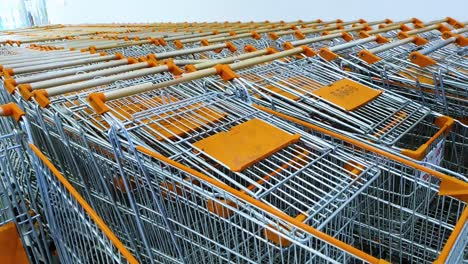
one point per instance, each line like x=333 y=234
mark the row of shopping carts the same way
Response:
x=270 y=142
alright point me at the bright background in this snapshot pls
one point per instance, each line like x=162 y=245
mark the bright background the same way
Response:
x=105 y=11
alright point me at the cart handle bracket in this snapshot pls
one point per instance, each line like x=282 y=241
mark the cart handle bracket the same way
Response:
x=13 y=110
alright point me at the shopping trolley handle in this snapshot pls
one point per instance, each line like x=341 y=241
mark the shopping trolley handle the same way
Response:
x=329 y=53
x=226 y=72
x=454 y=23
x=13 y=110
x=370 y=56
x=421 y=57
x=456 y=36
x=445 y=124
x=440 y=27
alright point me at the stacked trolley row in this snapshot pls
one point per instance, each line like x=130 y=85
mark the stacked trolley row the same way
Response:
x=136 y=103
x=286 y=175
x=133 y=182
x=407 y=67
x=182 y=171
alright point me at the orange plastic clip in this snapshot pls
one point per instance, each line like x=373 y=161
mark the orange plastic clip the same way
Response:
x=271 y=50
x=178 y=44
x=25 y=91
x=421 y=60
x=416 y=21
x=173 y=68
x=368 y=57
x=419 y=40
x=255 y=35
x=363 y=34
x=380 y=39
x=152 y=57
x=299 y=35
x=41 y=97
x=346 y=36
x=308 y=51
x=231 y=47
x=13 y=110
x=225 y=71
x=273 y=36
x=288 y=45
x=402 y=35
x=328 y=54
x=454 y=23
x=249 y=48
x=204 y=42
x=190 y=68
x=10 y=85
x=98 y=102
x=404 y=27
x=119 y=56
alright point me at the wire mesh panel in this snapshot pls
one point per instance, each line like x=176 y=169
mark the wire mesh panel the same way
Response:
x=287 y=187
x=21 y=218
x=318 y=93
x=80 y=234
x=124 y=157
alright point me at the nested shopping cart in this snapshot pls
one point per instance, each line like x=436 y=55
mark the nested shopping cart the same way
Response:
x=77 y=140
x=315 y=91
x=239 y=40
x=439 y=86
x=100 y=70
x=153 y=163
x=191 y=129
x=78 y=231
x=424 y=146
x=124 y=185
x=198 y=132
x=24 y=237
x=67 y=228
x=343 y=53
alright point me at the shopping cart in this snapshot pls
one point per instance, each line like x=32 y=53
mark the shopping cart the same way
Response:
x=238 y=40
x=344 y=53
x=305 y=88
x=151 y=160
x=96 y=179
x=287 y=87
x=131 y=188
x=440 y=87
x=194 y=132
x=77 y=232
x=23 y=234
x=77 y=141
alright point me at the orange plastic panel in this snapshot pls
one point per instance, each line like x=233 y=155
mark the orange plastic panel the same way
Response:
x=347 y=94
x=11 y=247
x=246 y=144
